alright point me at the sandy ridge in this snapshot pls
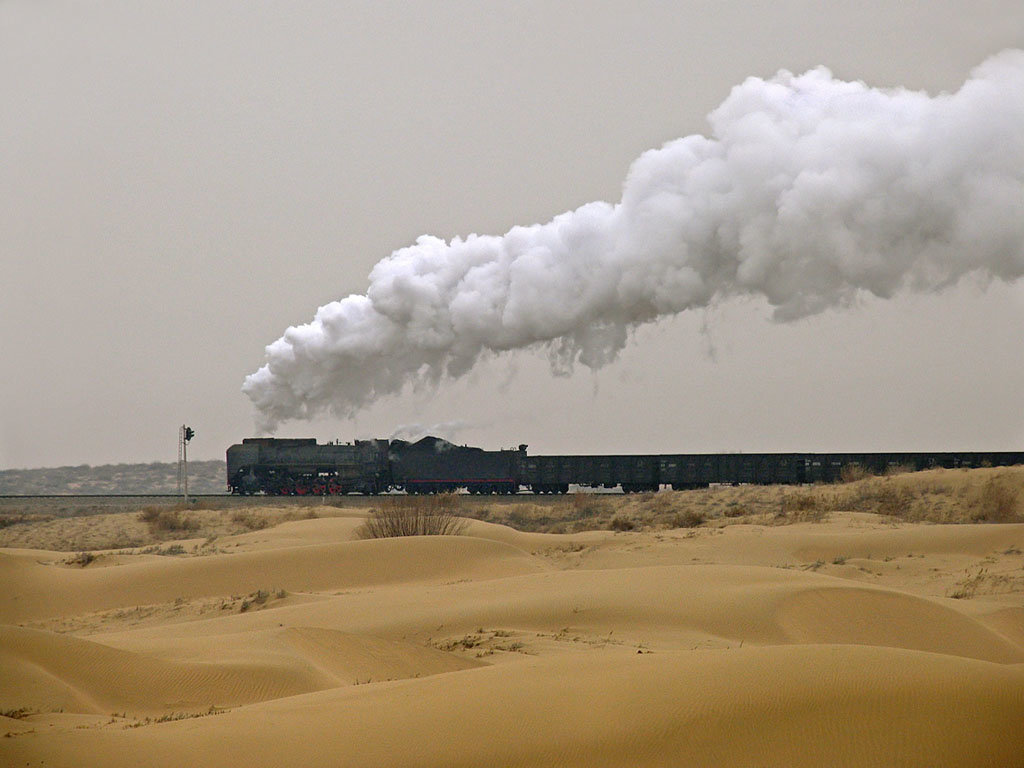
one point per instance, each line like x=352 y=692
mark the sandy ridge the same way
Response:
x=794 y=706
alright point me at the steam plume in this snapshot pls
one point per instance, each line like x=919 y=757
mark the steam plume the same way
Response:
x=808 y=191
x=445 y=429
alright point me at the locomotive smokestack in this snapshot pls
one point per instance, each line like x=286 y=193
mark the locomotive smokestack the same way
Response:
x=807 y=191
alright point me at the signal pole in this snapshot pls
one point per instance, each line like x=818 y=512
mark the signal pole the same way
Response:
x=184 y=435
x=180 y=458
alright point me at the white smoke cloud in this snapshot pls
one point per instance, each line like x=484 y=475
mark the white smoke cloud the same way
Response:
x=808 y=191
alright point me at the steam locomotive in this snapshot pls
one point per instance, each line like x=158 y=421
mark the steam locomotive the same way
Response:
x=302 y=467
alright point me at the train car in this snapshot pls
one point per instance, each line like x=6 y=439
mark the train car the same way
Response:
x=685 y=471
x=433 y=465
x=301 y=467
x=554 y=474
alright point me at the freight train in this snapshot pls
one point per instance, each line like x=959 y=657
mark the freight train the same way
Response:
x=302 y=467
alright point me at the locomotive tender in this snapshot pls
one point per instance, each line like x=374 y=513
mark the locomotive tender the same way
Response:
x=302 y=467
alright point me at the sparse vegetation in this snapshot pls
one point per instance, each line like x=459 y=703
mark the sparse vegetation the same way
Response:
x=802 y=507
x=735 y=509
x=17 y=714
x=259 y=597
x=168 y=519
x=484 y=642
x=82 y=559
x=76 y=525
x=250 y=520
x=999 y=502
x=940 y=496
x=173 y=716
x=435 y=515
x=898 y=469
x=9 y=520
x=621 y=524
x=967 y=588
x=851 y=473
x=687 y=519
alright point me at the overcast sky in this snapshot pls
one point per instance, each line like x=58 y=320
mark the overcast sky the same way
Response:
x=181 y=181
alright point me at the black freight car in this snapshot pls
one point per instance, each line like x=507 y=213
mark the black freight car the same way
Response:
x=554 y=474
x=433 y=465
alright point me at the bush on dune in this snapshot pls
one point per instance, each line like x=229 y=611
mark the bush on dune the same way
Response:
x=163 y=519
x=414 y=516
x=999 y=501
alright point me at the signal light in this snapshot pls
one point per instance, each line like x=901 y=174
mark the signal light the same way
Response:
x=189 y=433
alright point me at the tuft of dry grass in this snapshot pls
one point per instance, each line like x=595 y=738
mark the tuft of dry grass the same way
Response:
x=883 y=499
x=7 y=520
x=687 y=519
x=851 y=473
x=581 y=505
x=898 y=469
x=999 y=501
x=620 y=523
x=247 y=519
x=17 y=714
x=803 y=507
x=414 y=516
x=82 y=559
x=168 y=519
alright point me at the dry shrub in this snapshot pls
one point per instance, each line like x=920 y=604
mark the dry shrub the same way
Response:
x=581 y=505
x=82 y=559
x=998 y=502
x=14 y=519
x=898 y=469
x=735 y=509
x=883 y=498
x=248 y=520
x=799 y=502
x=661 y=503
x=17 y=714
x=851 y=473
x=620 y=523
x=259 y=597
x=802 y=507
x=687 y=519
x=534 y=517
x=414 y=516
x=164 y=519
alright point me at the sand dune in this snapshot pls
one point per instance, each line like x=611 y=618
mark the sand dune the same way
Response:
x=42 y=590
x=662 y=607
x=834 y=643
x=797 y=706
x=45 y=671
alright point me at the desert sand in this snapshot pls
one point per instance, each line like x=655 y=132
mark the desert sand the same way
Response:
x=849 y=641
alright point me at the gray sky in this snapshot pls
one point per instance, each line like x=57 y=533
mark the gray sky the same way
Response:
x=179 y=182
